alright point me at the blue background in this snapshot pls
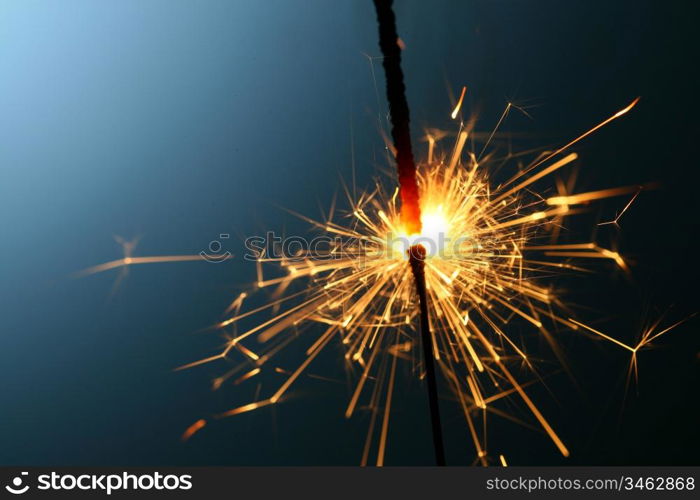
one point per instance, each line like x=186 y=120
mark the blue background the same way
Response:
x=177 y=121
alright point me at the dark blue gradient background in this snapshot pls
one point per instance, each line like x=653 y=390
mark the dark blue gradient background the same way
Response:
x=177 y=121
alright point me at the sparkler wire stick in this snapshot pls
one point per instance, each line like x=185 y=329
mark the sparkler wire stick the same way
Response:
x=400 y=118
x=410 y=206
x=417 y=260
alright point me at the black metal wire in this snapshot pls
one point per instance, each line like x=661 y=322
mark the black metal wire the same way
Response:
x=400 y=132
x=398 y=107
x=417 y=260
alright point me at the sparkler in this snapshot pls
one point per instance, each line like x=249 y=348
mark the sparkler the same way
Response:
x=410 y=199
x=488 y=252
x=478 y=253
x=483 y=269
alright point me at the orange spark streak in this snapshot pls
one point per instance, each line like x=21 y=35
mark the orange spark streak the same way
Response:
x=387 y=411
x=246 y=376
x=130 y=261
x=571 y=143
x=459 y=103
x=458 y=149
x=247 y=408
x=192 y=429
x=590 y=196
x=625 y=208
x=555 y=166
x=606 y=337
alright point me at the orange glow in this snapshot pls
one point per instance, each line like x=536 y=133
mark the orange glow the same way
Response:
x=459 y=103
x=192 y=429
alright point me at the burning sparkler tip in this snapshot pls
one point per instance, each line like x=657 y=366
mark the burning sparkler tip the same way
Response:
x=628 y=108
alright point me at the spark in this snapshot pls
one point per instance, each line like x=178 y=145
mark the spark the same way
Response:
x=617 y=218
x=193 y=429
x=252 y=373
x=247 y=408
x=593 y=195
x=633 y=350
x=455 y=111
x=548 y=157
x=132 y=261
x=647 y=336
x=481 y=276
